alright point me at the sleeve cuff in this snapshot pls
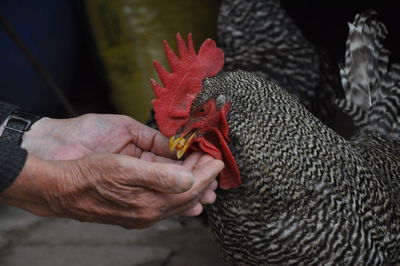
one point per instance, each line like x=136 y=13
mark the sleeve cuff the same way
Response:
x=5 y=110
x=12 y=160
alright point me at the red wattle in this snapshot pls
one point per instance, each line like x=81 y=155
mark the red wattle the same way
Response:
x=230 y=176
x=216 y=144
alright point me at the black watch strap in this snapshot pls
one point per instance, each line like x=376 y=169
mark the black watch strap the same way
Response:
x=18 y=122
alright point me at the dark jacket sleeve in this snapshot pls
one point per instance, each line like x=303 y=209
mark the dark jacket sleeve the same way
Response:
x=12 y=157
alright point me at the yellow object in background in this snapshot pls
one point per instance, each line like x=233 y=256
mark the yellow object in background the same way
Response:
x=129 y=34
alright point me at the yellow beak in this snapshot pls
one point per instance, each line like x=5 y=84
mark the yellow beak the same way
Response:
x=181 y=143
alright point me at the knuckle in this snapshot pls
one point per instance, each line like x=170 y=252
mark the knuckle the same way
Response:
x=154 y=172
x=157 y=176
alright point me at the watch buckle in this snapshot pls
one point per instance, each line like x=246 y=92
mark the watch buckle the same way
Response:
x=18 y=118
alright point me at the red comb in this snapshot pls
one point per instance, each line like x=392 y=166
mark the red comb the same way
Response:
x=181 y=86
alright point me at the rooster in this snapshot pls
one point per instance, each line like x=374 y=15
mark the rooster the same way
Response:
x=293 y=191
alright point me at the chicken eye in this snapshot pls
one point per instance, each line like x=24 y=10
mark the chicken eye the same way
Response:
x=178 y=117
x=201 y=111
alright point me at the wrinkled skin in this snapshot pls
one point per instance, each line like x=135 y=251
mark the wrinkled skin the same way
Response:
x=109 y=169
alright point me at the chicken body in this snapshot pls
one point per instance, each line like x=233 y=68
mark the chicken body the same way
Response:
x=308 y=197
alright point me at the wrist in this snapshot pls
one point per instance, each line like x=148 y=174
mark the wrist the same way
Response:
x=40 y=129
x=48 y=139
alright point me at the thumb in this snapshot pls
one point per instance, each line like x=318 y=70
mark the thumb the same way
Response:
x=162 y=177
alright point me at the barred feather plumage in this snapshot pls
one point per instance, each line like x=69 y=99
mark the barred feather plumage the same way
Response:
x=369 y=81
x=308 y=197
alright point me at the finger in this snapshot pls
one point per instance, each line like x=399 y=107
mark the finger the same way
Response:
x=132 y=150
x=213 y=186
x=176 y=206
x=208 y=197
x=151 y=157
x=180 y=202
x=206 y=173
x=204 y=159
x=195 y=211
x=161 y=177
x=150 y=139
x=191 y=161
x=204 y=176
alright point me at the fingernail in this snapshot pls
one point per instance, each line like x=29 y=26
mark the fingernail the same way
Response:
x=184 y=180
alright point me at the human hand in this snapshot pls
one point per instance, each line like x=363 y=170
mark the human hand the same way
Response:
x=89 y=134
x=66 y=139
x=112 y=189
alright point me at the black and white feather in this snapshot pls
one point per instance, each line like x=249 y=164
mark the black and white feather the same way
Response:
x=370 y=82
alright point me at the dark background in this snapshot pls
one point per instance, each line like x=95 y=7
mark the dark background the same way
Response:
x=58 y=36
x=325 y=22
x=73 y=62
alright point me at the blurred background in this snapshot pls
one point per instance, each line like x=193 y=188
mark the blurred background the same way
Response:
x=62 y=58
x=99 y=53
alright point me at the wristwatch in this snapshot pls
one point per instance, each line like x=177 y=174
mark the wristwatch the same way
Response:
x=18 y=123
